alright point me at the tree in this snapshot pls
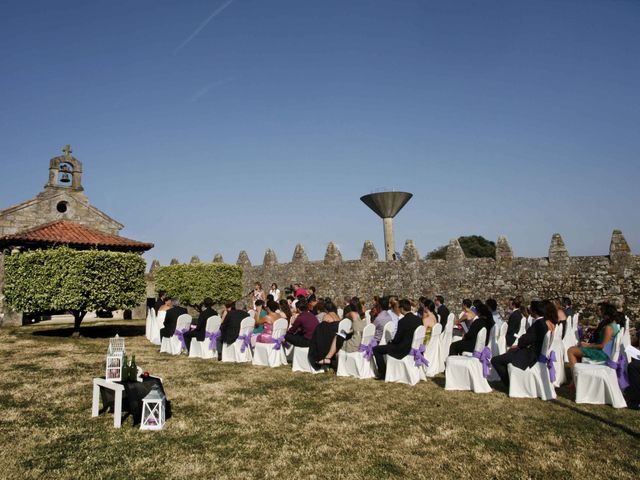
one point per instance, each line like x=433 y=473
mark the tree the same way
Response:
x=75 y=281
x=193 y=282
x=473 y=246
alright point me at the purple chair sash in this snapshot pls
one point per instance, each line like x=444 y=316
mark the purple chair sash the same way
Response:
x=367 y=350
x=484 y=356
x=246 y=341
x=621 y=370
x=418 y=356
x=550 y=361
x=180 y=335
x=278 y=342
x=213 y=339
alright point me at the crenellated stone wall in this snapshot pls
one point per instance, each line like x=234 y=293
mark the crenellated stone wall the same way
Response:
x=587 y=280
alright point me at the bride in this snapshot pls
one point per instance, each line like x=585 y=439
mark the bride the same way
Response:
x=159 y=323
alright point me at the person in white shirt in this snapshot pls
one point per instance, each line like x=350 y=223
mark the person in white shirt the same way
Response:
x=275 y=291
x=493 y=306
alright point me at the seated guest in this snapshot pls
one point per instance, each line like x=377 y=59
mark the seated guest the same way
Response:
x=285 y=310
x=162 y=296
x=267 y=322
x=201 y=325
x=230 y=328
x=400 y=346
x=259 y=317
x=382 y=318
x=567 y=306
x=171 y=318
x=324 y=335
x=562 y=317
x=312 y=296
x=320 y=309
x=465 y=319
x=468 y=342
x=441 y=310
x=525 y=354
x=302 y=329
x=394 y=311
x=633 y=392
x=429 y=318
x=514 y=320
x=604 y=336
x=348 y=341
x=375 y=309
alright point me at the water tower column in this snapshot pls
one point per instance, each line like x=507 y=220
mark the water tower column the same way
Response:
x=389 y=241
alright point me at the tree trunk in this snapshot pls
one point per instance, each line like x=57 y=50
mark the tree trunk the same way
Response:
x=78 y=315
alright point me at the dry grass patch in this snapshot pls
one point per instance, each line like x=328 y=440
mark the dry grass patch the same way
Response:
x=235 y=421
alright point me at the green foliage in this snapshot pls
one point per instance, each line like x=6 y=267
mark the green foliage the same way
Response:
x=473 y=246
x=63 y=279
x=193 y=282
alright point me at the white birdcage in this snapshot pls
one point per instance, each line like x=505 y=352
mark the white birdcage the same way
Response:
x=153 y=410
x=115 y=359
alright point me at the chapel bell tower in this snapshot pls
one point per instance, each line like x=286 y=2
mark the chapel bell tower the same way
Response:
x=65 y=171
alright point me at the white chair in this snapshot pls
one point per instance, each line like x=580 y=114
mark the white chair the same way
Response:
x=240 y=350
x=445 y=341
x=300 y=362
x=557 y=345
x=387 y=333
x=466 y=372
x=175 y=344
x=359 y=364
x=626 y=339
x=498 y=345
x=598 y=382
x=535 y=381
x=367 y=315
x=157 y=325
x=340 y=312
x=524 y=324
x=432 y=351
x=408 y=369
x=151 y=320
x=207 y=348
x=272 y=354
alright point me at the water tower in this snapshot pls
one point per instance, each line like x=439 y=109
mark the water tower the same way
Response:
x=387 y=205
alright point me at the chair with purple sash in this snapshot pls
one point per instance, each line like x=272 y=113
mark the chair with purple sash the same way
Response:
x=470 y=372
x=300 y=359
x=536 y=381
x=445 y=342
x=175 y=344
x=433 y=352
x=411 y=368
x=272 y=354
x=601 y=383
x=498 y=345
x=557 y=345
x=359 y=364
x=240 y=350
x=207 y=348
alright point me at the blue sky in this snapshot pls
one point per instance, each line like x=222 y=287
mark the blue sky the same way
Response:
x=214 y=126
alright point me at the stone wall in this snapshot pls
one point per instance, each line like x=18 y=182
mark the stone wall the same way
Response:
x=587 y=280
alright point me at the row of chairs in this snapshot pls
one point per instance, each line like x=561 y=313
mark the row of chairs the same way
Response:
x=595 y=383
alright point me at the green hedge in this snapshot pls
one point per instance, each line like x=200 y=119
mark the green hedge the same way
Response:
x=63 y=279
x=193 y=282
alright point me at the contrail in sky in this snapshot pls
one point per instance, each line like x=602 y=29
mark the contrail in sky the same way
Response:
x=215 y=13
x=203 y=91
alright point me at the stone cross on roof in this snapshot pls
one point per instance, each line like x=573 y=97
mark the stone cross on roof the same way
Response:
x=67 y=150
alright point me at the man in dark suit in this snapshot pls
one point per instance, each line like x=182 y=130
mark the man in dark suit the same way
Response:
x=172 y=318
x=468 y=342
x=442 y=310
x=230 y=328
x=400 y=345
x=200 y=330
x=514 y=320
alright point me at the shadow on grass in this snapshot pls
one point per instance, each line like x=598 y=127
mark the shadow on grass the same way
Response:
x=598 y=418
x=95 y=331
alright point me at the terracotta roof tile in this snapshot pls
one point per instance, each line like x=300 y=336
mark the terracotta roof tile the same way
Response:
x=66 y=232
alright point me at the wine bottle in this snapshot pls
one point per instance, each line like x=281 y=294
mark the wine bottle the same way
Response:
x=133 y=370
x=124 y=375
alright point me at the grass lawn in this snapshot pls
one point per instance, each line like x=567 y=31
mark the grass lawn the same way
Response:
x=239 y=421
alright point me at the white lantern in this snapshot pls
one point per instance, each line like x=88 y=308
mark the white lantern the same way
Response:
x=115 y=359
x=153 y=410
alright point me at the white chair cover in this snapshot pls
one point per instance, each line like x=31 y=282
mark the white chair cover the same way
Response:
x=498 y=347
x=432 y=351
x=345 y=326
x=173 y=345
x=626 y=338
x=148 y=326
x=156 y=326
x=536 y=380
x=406 y=370
x=387 y=333
x=272 y=354
x=340 y=312
x=557 y=345
x=598 y=383
x=466 y=372
x=445 y=341
x=240 y=350
x=301 y=362
x=359 y=364
x=207 y=348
